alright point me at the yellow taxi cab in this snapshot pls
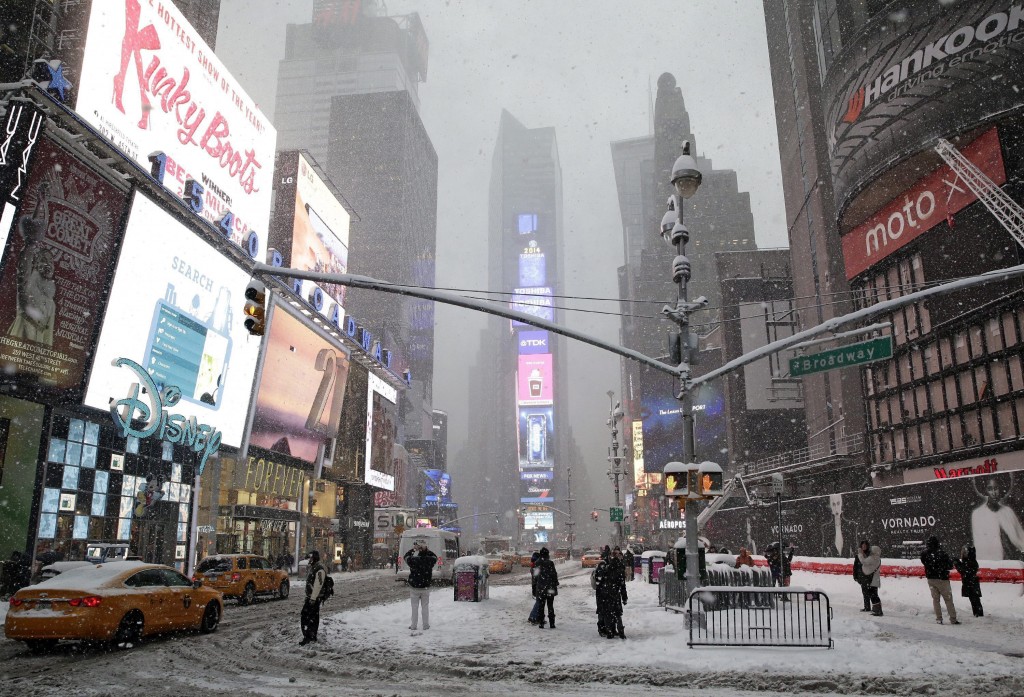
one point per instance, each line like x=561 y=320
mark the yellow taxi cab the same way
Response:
x=497 y=564
x=243 y=576
x=119 y=601
x=526 y=559
x=590 y=559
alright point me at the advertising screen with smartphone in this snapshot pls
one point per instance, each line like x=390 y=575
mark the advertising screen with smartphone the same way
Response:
x=175 y=308
x=320 y=230
x=381 y=430
x=302 y=389
x=536 y=437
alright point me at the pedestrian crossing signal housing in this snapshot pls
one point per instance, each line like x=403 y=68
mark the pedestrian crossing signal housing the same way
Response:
x=255 y=308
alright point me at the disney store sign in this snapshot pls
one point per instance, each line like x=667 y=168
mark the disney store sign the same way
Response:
x=150 y=405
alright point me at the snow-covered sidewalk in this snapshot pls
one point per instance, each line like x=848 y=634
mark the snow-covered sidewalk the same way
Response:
x=905 y=644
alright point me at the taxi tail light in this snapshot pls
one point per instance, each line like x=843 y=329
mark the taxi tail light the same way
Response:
x=17 y=602
x=88 y=601
x=236 y=577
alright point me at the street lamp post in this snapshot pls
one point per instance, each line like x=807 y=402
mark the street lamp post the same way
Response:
x=686 y=179
x=569 y=499
x=615 y=473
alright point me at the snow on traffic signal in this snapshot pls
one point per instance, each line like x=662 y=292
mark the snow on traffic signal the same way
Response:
x=255 y=308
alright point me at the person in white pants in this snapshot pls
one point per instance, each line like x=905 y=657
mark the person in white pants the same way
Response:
x=421 y=563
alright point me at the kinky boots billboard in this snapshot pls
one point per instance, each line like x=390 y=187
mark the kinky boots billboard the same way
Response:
x=984 y=510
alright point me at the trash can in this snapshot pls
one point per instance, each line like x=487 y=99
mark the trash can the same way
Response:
x=470 y=579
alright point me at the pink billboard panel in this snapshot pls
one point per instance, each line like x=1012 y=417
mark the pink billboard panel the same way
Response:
x=536 y=385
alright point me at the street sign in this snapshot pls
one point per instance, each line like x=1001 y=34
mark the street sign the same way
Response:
x=615 y=514
x=854 y=354
x=777 y=484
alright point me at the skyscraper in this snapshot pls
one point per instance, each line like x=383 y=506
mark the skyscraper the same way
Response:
x=347 y=93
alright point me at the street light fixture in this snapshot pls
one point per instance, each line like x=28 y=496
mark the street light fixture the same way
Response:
x=686 y=178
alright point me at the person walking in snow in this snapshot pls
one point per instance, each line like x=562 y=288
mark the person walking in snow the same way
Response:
x=937 y=565
x=610 y=589
x=420 y=561
x=537 y=613
x=628 y=559
x=970 y=587
x=869 y=559
x=309 y=620
x=547 y=586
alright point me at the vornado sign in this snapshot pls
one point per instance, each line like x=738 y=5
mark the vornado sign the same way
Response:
x=932 y=200
x=941 y=72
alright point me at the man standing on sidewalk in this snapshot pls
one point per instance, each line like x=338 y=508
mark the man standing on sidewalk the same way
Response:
x=936 y=569
x=420 y=561
x=309 y=620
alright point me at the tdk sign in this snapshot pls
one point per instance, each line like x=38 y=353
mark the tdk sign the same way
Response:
x=533 y=342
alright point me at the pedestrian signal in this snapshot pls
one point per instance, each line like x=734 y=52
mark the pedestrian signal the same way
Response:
x=255 y=308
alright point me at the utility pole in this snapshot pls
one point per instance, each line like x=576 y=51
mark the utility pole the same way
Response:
x=571 y=523
x=615 y=473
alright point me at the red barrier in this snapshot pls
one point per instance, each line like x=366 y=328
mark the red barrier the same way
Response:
x=845 y=568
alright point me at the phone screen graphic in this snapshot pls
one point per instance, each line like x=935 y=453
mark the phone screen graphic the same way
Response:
x=187 y=353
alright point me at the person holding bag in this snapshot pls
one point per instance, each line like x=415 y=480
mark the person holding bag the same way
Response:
x=970 y=588
x=869 y=559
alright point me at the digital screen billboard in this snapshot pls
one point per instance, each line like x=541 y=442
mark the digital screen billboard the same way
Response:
x=532 y=267
x=544 y=520
x=527 y=223
x=175 y=308
x=662 y=416
x=381 y=430
x=533 y=301
x=437 y=488
x=301 y=391
x=709 y=423
x=536 y=385
x=536 y=486
x=533 y=341
x=64 y=229
x=349 y=459
x=536 y=437
x=150 y=84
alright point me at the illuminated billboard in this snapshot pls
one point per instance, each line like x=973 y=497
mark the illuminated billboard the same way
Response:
x=544 y=520
x=64 y=228
x=381 y=430
x=175 y=307
x=526 y=223
x=662 y=416
x=536 y=385
x=533 y=301
x=150 y=84
x=533 y=341
x=532 y=266
x=437 y=488
x=536 y=437
x=301 y=391
x=536 y=486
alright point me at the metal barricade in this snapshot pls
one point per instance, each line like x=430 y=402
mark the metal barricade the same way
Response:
x=672 y=589
x=754 y=616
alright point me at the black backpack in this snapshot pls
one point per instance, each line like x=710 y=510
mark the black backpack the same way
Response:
x=328 y=590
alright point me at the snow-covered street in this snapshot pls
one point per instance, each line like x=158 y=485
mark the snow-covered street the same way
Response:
x=488 y=648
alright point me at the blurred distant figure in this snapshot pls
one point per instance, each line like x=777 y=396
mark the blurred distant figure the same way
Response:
x=937 y=565
x=744 y=558
x=970 y=587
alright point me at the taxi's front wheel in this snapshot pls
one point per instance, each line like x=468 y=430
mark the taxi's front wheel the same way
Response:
x=284 y=589
x=211 y=618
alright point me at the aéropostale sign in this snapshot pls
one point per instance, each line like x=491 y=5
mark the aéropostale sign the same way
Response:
x=896 y=88
x=984 y=510
x=150 y=84
x=65 y=226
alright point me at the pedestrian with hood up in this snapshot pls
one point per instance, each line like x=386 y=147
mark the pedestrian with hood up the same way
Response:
x=937 y=565
x=547 y=586
x=970 y=587
x=869 y=560
x=420 y=561
x=316 y=577
x=610 y=589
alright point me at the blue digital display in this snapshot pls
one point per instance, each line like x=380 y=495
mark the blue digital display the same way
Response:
x=532 y=269
x=527 y=223
x=186 y=353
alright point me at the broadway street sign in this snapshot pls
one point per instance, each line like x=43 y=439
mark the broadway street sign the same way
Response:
x=854 y=354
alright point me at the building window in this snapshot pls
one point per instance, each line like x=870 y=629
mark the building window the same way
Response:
x=826 y=34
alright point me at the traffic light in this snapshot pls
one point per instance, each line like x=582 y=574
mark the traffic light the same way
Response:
x=255 y=308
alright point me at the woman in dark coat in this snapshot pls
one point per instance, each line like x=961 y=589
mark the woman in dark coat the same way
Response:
x=970 y=587
x=610 y=588
x=547 y=585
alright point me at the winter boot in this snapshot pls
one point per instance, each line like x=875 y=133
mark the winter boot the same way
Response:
x=551 y=621
x=876 y=609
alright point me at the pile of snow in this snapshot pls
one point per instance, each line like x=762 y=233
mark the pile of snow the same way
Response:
x=472 y=560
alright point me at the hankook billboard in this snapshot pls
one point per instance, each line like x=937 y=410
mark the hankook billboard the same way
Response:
x=944 y=70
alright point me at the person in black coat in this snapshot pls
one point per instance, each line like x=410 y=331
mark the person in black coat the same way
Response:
x=937 y=565
x=420 y=561
x=610 y=588
x=970 y=587
x=547 y=585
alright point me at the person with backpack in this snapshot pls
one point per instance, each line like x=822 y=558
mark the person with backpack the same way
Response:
x=937 y=564
x=547 y=585
x=420 y=561
x=317 y=582
x=609 y=580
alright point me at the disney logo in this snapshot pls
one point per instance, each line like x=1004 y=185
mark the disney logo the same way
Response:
x=148 y=404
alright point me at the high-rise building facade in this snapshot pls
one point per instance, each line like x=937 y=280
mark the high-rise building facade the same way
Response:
x=347 y=93
x=521 y=423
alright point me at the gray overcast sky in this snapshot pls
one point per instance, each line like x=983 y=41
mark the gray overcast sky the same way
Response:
x=582 y=66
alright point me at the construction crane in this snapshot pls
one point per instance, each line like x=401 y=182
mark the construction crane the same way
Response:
x=1007 y=211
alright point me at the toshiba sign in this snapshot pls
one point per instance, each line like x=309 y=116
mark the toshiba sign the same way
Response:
x=932 y=200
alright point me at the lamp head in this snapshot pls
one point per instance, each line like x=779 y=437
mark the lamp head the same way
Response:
x=668 y=221
x=686 y=178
